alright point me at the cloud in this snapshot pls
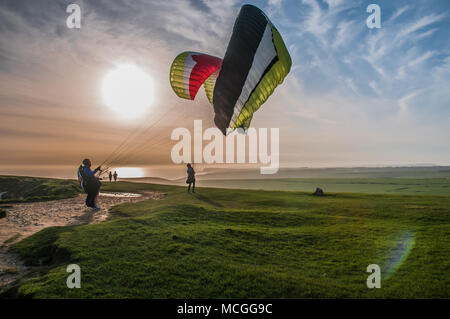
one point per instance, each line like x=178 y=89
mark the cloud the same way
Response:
x=349 y=88
x=275 y=3
x=401 y=73
x=418 y=25
x=399 y=12
x=403 y=102
x=334 y=3
x=345 y=33
x=201 y=5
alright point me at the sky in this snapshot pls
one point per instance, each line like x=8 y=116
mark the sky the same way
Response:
x=354 y=97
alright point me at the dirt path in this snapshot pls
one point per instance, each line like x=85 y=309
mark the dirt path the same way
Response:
x=23 y=220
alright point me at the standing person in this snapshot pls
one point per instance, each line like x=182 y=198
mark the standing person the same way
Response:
x=115 y=176
x=110 y=176
x=92 y=184
x=191 y=178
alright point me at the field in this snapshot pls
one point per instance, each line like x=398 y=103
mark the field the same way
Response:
x=433 y=180
x=400 y=186
x=229 y=243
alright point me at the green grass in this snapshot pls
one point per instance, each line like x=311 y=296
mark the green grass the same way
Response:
x=32 y=189
x=396 y=186
x=223 y=243
x=11 y=239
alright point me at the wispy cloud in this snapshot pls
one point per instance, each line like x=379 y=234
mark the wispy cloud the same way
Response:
x=418 y=25
x=349 y=86
x=403 y=102
x=401 y=73
x=399 y=12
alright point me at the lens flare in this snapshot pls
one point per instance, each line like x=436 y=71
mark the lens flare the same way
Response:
x=399 y=254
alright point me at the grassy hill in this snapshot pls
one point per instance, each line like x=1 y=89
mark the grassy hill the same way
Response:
x=224 y=243
x=33 y=189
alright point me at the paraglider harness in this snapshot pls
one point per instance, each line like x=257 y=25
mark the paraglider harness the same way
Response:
x=191 y=177
x=88 y=183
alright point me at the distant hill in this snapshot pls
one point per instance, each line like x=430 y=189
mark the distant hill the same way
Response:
x=353 y=172
x=304 y=172
x=434 y=180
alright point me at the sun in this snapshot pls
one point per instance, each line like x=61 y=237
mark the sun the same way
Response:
x=128 y=91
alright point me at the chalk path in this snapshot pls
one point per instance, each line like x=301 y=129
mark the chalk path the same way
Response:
x=23 y=220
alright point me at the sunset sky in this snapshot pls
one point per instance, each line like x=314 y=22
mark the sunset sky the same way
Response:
x=354 y=96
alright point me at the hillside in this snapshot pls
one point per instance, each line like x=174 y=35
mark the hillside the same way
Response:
x=222 y=243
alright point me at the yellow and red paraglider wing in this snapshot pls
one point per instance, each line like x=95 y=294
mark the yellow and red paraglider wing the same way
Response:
x=190 y=70
x=209 y=85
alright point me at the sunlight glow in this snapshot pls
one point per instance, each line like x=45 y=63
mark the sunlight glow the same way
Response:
x=128 y=91
x=130 y=172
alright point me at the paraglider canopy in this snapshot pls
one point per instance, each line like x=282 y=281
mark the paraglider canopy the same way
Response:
x=255 y=63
